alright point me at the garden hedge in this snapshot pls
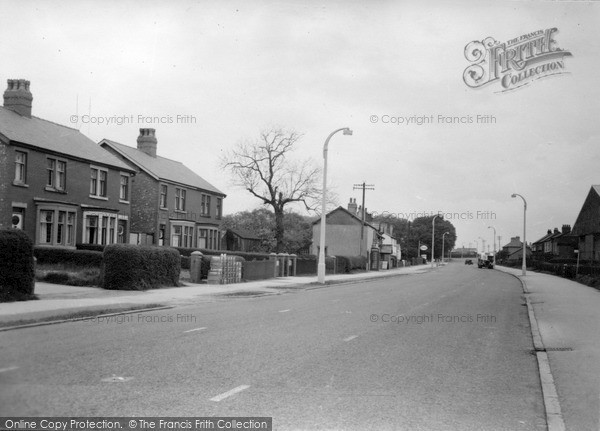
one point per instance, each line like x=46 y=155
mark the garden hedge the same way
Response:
x=58 y=255
x=140 y=267
x=17 y=271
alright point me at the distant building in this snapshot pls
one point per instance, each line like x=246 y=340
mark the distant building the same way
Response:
x=555 y=244
x=587 y=226
x=240 y=240
x=57 y=185
x=170 y=204
x=389 y=246
x=343 y=232
x=464 y=252
x=514 y=249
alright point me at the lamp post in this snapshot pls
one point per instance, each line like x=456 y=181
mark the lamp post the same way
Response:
x=321 y=266
x=432 y=238
x=443 y=243
x=492 y=227
x=524 y=266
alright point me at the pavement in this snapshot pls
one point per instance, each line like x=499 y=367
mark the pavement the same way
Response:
x=565 y=321
x=58 y=302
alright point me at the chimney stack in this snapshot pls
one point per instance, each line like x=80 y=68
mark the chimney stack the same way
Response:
x=147 y=142
x=556 y=230
x=18 y=98
x=566 y=228
x=352 y=206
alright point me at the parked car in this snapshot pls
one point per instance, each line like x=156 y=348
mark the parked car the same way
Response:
x=468 y=262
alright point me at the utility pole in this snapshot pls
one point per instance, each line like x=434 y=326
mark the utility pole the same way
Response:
x=364 y=187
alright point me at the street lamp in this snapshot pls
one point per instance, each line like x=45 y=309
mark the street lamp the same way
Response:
x=492 y=227
x=443 y=236
x=524 y=266
x=432 y=238
x=321 y=266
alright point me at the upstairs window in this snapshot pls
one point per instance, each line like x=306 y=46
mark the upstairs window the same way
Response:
x=163 y=196
x=56 y=174
x=219 y=213
x=124 y=188
x=205 y=205
x=180 y=199
x=98 y=180
x=20 y=167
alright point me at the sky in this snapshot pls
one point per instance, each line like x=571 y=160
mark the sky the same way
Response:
x=209 y=74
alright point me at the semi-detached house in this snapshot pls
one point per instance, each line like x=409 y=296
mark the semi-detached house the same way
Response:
x=56 y=184
x=170 y=204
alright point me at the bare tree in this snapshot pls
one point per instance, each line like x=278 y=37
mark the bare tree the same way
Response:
x=264 y=169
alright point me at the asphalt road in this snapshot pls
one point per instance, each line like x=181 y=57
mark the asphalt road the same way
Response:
x=446 y=350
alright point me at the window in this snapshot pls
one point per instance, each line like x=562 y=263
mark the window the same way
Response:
x=91 y=229
x=98 y=178
x=180 y=199
x=188 y=235
x=57 y=226
x=21 y=167
x=208 y=239
x=176 y=237
x=205 y=205
x=163 y=196
x=219 y=208
x=101 y=228
x=56 y=174
x=124 y=189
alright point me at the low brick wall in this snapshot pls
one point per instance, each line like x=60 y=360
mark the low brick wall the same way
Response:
x=258 y=269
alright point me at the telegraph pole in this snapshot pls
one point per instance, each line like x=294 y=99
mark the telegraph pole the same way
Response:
x=364 y=187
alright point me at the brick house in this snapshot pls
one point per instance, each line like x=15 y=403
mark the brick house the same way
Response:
x=170 y=204
x=556 y=243
x=343 y=232
x=587 y=226
x=514 y=249
x=56 y=184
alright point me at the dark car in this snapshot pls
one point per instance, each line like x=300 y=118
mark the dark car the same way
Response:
x=486 y=263
x=468 y=262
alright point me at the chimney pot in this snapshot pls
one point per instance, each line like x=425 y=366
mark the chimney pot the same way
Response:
x=147 y=142
x=17 y=97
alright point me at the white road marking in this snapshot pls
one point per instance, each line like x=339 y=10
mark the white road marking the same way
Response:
x=284 y=311
x=195 y=329
x=350 y=338
x=229 y=393
x=3 y=370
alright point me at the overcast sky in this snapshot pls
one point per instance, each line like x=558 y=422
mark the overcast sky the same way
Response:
x=315 y=66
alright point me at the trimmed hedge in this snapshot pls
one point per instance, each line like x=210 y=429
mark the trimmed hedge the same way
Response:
x=140 y=267
x=346 y=264
x=93 y=247
x=17 y=272
x=56 y=255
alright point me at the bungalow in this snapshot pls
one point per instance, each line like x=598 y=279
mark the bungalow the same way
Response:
x=587 y=226
x=240 y=240
x=56 y=184
x=170 y=204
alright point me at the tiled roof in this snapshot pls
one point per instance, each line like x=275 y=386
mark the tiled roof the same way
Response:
x=162 y=168
x=245 y=234
x=51 y=136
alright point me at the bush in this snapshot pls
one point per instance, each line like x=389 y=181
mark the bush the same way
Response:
x=17 y=274
x=346 y=264
x=55 y=255
x=140 y=267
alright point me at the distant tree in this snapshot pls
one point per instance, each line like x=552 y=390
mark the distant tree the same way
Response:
x=419 y=231
x=298 y=228
x=264 y=168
